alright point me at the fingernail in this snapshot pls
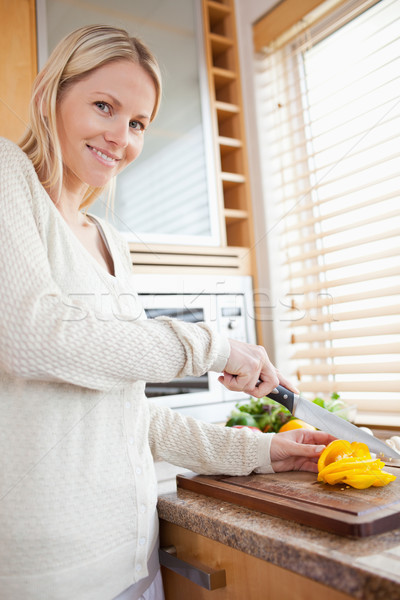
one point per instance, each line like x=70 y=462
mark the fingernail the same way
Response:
x=319 y=448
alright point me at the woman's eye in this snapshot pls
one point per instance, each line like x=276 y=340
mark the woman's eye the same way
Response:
x=103 y=106
x=137 y=125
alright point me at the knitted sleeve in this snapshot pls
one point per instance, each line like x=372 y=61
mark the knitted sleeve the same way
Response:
x=38 y=340
x=207 y=448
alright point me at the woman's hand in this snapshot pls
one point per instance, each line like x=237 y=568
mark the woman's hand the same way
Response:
x=249 y=370
x=298 y=450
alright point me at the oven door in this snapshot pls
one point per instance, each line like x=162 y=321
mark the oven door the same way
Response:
x=187 y=391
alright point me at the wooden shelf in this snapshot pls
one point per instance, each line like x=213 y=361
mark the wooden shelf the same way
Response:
x=225 y=110
x=228 y=144
x=222 y=76
x=220 y=43
x=229 y=131
x=217 y=12
x=233 y=215
x=232 y=179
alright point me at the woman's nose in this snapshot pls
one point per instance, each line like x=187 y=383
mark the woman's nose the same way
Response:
x=118 y=133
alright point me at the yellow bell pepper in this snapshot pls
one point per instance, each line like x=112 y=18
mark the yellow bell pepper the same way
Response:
x=383 y=478
x=339 y=449
x=351 y=464
x=356 y=479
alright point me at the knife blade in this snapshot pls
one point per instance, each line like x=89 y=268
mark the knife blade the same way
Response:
x=326 y=421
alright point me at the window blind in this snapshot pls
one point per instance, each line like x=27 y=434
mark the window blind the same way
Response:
x=329 y=116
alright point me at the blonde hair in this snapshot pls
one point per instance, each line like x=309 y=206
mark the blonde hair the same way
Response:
x=78 y=54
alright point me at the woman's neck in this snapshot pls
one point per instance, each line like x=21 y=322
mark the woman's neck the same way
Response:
x=71 y=213
x=69 y=203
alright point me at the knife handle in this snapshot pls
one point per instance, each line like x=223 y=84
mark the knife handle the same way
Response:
x=283 y=396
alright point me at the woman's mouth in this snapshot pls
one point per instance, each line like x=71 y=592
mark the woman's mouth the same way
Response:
x=104 y=158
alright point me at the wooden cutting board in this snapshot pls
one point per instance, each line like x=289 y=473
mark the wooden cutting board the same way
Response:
x=298 y=496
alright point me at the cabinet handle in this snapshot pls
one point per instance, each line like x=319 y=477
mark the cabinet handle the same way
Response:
x=208 y=578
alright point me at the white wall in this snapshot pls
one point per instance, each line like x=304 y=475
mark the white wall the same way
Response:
x=247 y=12
x=252 y=10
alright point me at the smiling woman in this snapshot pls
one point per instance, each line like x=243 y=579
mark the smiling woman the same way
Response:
x=79 y=437
x=101 y=134
x=177 y=165
x=54 y=84
x=96 y=133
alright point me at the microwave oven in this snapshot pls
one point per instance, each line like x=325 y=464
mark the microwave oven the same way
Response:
x=223 y=302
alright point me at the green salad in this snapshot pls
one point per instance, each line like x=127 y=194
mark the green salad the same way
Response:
x=269 y=416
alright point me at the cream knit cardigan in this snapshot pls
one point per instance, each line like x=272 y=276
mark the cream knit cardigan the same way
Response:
x=78 y=437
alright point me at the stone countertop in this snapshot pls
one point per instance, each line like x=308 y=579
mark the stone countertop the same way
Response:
x=365 y=568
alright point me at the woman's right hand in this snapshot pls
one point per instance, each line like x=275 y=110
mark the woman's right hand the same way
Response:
x=250 y=370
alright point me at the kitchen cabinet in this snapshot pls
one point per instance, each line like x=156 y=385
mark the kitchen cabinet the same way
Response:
x=18 y=65
x=246 y=576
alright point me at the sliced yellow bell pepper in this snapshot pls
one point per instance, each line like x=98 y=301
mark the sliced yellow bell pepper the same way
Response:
x=339 y=449
x=360 y=449
x=336 y=450
x=357 y=480
x=351 y=464
x=347 y=464
x=383 y=478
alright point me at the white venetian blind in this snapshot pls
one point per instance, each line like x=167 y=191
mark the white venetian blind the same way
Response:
x=329 y=112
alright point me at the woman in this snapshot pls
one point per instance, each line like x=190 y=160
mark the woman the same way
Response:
x=78 y=439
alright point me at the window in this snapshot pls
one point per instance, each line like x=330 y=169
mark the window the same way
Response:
x=329 y=115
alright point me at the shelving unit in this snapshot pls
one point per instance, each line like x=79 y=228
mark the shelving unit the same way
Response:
x=227 y=112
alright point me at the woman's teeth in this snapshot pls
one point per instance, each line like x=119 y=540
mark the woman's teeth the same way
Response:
x=103 y=155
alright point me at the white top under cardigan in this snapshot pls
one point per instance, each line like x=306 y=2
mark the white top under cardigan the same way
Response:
x=77 y=434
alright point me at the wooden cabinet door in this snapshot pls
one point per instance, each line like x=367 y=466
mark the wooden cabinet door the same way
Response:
x=18 y=64
x=247 y=578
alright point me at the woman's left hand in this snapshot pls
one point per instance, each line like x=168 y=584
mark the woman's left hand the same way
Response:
x=298 y=450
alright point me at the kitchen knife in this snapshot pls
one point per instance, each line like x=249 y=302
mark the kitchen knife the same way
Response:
x=330 y=423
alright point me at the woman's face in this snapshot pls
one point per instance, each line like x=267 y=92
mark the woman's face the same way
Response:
x=101 y=121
